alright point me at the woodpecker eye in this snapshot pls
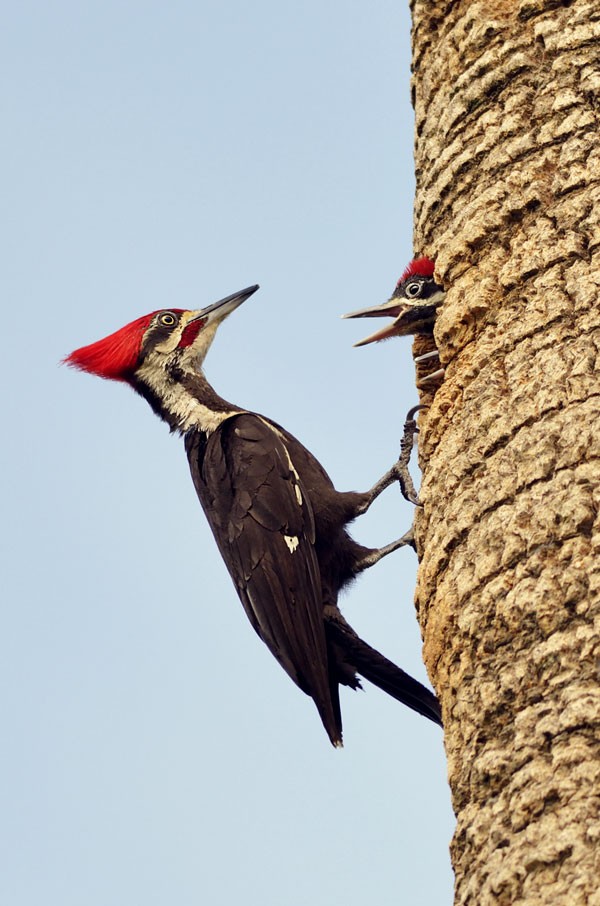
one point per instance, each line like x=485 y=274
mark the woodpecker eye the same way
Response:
x=412 y=290
x=167 y=319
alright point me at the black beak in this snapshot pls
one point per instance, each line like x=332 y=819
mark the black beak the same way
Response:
x=219 y=310
x=393 y=307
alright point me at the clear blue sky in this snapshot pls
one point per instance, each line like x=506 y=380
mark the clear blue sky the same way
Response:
x=153 y=751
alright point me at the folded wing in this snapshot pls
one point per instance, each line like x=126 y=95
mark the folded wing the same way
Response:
x=263 y=523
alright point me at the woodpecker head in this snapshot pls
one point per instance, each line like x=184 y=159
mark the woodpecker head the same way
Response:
x=160 y=354
x=413 y=304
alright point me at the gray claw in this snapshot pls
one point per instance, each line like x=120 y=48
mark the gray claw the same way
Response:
x=426 y=356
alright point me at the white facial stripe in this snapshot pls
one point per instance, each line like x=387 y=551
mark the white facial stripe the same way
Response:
x=185 y=408
x=430 y=302
x=186 y=411
x=171 y=341
x=202 y=343
x=438 y=297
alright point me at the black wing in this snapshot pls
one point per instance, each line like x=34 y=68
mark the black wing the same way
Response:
x=263 y=523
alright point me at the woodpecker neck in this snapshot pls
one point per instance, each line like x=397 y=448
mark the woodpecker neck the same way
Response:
x=182 y=398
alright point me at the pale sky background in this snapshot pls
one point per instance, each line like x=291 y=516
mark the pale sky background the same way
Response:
x=154 y=753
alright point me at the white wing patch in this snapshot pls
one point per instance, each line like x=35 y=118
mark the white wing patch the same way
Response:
x=292 y=542
x=297 y=477
x=297 y=490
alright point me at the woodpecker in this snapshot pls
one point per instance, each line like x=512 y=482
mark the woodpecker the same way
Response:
x=279 y=523
x=413 y=305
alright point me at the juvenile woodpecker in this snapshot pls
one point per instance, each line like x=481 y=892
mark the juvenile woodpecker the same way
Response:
x=278 y=521
x=413 y=306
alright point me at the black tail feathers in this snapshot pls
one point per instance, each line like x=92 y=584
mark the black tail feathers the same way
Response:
x=380 y=671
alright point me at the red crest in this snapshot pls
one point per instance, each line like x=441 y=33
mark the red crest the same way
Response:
x=115 y=357
x=419 y=267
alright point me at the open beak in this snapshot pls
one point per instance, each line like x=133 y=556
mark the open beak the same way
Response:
x=219 y=310
x=410 y=320
x=409 y=317
x=392 y=308
x=390 y=330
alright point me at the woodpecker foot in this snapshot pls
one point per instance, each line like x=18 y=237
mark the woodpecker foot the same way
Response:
x=399 y=471
x=406 y=445
x=370 y=496
x=434 y=376
x=434 y=354
x=426 y=357
x=377 y=554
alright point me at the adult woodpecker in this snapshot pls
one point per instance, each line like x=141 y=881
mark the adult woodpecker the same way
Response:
x=278 y=521
x=413 y=305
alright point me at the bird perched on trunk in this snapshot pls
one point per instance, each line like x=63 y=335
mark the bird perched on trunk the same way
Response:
x=413 y=305
x=278 y=521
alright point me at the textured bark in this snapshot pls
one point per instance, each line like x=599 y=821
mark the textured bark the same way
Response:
x=507 y=101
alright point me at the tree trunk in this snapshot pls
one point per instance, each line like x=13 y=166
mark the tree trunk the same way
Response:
x=508 y=203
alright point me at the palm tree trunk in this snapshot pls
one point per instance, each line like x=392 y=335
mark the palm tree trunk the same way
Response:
x=508 y=203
